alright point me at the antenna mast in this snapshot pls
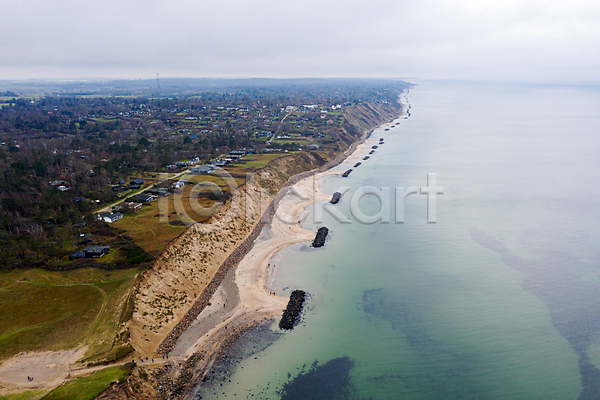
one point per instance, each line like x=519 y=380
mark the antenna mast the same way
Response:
x=158 y=84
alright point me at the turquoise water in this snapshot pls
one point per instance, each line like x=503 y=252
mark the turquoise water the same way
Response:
x=498 y=300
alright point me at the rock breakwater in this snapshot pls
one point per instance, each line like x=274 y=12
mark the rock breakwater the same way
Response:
x=321 y=236
x=335 y=198
x=293 y=309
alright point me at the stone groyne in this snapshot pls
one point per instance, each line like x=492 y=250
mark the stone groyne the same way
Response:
x=335 y=198
x=320 y=237
x=293 y=310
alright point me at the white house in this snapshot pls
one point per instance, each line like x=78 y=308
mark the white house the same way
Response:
x=110 y=217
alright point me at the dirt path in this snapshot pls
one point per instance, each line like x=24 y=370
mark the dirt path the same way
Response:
x=52 y=368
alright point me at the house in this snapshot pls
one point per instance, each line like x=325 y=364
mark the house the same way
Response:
x=181 y=164
x=133 y=206
x=313 y=147
x=63 y=188
x=159 y=192
x=138 y=182
x=96 y=251
x=144 y=198
x=202 y=169
x=178 y=184
x=110 y=217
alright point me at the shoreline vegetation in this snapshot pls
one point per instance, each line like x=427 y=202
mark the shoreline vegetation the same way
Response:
x=209 y=285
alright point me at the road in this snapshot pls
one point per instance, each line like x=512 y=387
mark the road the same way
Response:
x=281 y=123
x=110 y=206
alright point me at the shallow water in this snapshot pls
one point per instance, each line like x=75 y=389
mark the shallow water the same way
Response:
x=497 y=300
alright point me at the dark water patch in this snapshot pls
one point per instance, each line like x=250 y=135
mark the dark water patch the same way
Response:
x=329 y=381
x=306 y=249
x=430 y=379
x=381 y=303
x=559 y=280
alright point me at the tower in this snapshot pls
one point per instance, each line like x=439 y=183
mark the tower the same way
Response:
x=158 y=84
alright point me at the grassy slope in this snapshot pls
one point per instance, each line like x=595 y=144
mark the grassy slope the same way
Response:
x=42 y=310
x=28 y=395
x=90 y=386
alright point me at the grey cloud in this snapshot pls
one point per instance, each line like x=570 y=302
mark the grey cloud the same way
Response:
x=436 y=39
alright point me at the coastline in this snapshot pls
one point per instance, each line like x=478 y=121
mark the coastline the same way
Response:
x=243 y=300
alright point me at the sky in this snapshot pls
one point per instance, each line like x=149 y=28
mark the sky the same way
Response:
x=528 y=40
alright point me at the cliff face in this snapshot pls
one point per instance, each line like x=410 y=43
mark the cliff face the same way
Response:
x=173 y=284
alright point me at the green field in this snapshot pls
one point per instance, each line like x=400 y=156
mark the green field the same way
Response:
x=27 y=395
x=146 y=229
x=90 y=386
x=42 y=310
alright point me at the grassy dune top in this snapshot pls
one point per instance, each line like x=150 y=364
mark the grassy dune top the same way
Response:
x=45 y=311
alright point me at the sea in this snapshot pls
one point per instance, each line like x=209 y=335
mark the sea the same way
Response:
x=498 y=299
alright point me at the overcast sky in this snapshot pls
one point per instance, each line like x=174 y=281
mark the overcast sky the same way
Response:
x=500 y=39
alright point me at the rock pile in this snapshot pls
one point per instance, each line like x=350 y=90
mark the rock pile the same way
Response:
x=336 y=197
x=293 y=309
x=321 y=236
